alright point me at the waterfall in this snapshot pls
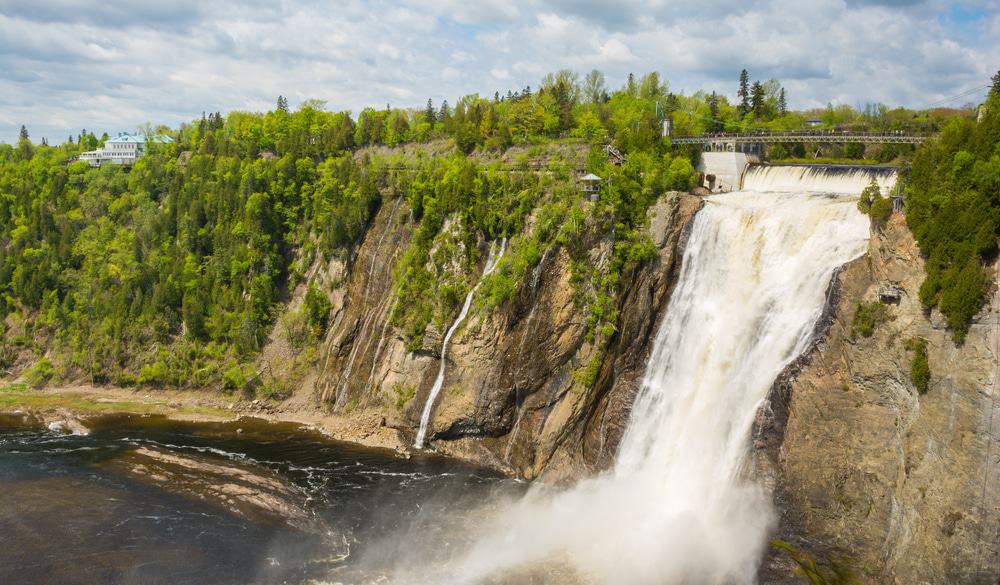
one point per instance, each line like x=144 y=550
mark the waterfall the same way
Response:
x=677 y=507
x=491 y=263
x=851 y=179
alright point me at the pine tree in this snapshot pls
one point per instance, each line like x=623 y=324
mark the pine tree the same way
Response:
x=630 y=86
x=430 y=116
x=24 y=133
x=715 y=125
x=782 y=103
x=496 y=97
x=996 y=83
x=744 y=93
x=282 y=104
x=757 y=98
x=527 y=92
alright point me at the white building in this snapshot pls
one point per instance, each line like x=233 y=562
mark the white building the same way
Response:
x=123 y=149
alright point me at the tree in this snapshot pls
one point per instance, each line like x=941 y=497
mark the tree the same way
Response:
x=996 y=83
x=24 y=133
x=430 y=116
x=744 y=93
x=715 y=124
x=593 y=87
x=757 y=99
x=650 y=87
x=282 y=104
x=782 y=103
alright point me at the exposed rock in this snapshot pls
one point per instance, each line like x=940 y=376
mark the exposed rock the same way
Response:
x=512 y=396
x=255 y=493
x=906 y=484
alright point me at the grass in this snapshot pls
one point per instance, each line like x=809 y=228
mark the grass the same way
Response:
x=22 y=396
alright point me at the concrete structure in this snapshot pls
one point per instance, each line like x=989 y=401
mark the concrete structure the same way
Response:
x=723 y=171
x=123 y=149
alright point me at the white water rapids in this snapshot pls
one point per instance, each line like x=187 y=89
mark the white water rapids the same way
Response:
x=677 y=507
x=491 y=263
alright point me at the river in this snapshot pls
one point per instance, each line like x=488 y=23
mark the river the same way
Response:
x=138 y=501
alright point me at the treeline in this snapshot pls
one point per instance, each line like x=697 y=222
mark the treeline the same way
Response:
x=953 y=209
x=174 y=271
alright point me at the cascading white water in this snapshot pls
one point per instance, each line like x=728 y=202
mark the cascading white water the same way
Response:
x=817 y=178
x=675 y=508
x=491 y=263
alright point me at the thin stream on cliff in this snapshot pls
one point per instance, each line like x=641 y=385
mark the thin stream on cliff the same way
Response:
x=677 y=506
x=491 y=263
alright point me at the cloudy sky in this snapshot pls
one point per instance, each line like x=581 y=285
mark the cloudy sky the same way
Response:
x=111 y=65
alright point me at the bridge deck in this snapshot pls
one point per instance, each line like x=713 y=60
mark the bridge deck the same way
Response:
x=814 y=137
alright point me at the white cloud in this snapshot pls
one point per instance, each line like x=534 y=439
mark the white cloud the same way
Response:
x=614 y=50
x=64 y=67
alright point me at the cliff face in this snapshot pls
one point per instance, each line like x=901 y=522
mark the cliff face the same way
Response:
x=524 y=388
x=906 y=484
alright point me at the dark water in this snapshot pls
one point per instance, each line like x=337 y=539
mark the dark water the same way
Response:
x=70 y=512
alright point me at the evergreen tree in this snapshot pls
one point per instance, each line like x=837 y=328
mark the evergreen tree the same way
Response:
x=527 y=92
x=757 y=98
x=282 y=104
x=744 y=93
x=782 y=103
x=715 y=125
x=430 y=116
x=24 y=133
x=996 y=83
x=630 y=87
x=445 y=114
x=496 y=97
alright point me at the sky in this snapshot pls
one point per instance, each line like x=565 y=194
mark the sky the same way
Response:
x=67 y=65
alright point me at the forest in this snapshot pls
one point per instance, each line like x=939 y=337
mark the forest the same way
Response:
x=173 y=272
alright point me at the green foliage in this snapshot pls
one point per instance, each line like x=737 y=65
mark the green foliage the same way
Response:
x=238 y=377
x=868 y=316
x=587 y=376
x=876 y=206
x=403 y=394
x=920 y=370
x=40 y=373
x=953 y=209
x=317 y=308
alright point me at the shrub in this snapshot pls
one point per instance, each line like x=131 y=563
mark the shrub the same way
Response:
x=155 y=375
x=403 y=395
x=317 y=309
x=920 y=370
x=39 y=374
x=868 y=316
x=238 y=377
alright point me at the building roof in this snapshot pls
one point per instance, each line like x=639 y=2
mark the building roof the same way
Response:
x=139 y=138
x=590 y=177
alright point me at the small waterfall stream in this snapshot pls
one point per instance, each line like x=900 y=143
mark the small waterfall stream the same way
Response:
x=491 y=263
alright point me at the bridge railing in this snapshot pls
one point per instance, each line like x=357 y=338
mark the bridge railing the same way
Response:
x=803 y=136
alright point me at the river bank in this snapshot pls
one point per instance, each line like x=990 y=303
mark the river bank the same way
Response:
x=70 y=407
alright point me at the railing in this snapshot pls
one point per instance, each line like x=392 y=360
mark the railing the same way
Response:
x=815 y=136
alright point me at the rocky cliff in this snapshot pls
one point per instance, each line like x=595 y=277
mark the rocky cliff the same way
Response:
x=526 y=389
x=864 y=466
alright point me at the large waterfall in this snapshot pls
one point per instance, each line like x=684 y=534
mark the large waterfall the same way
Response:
x=677 y=507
